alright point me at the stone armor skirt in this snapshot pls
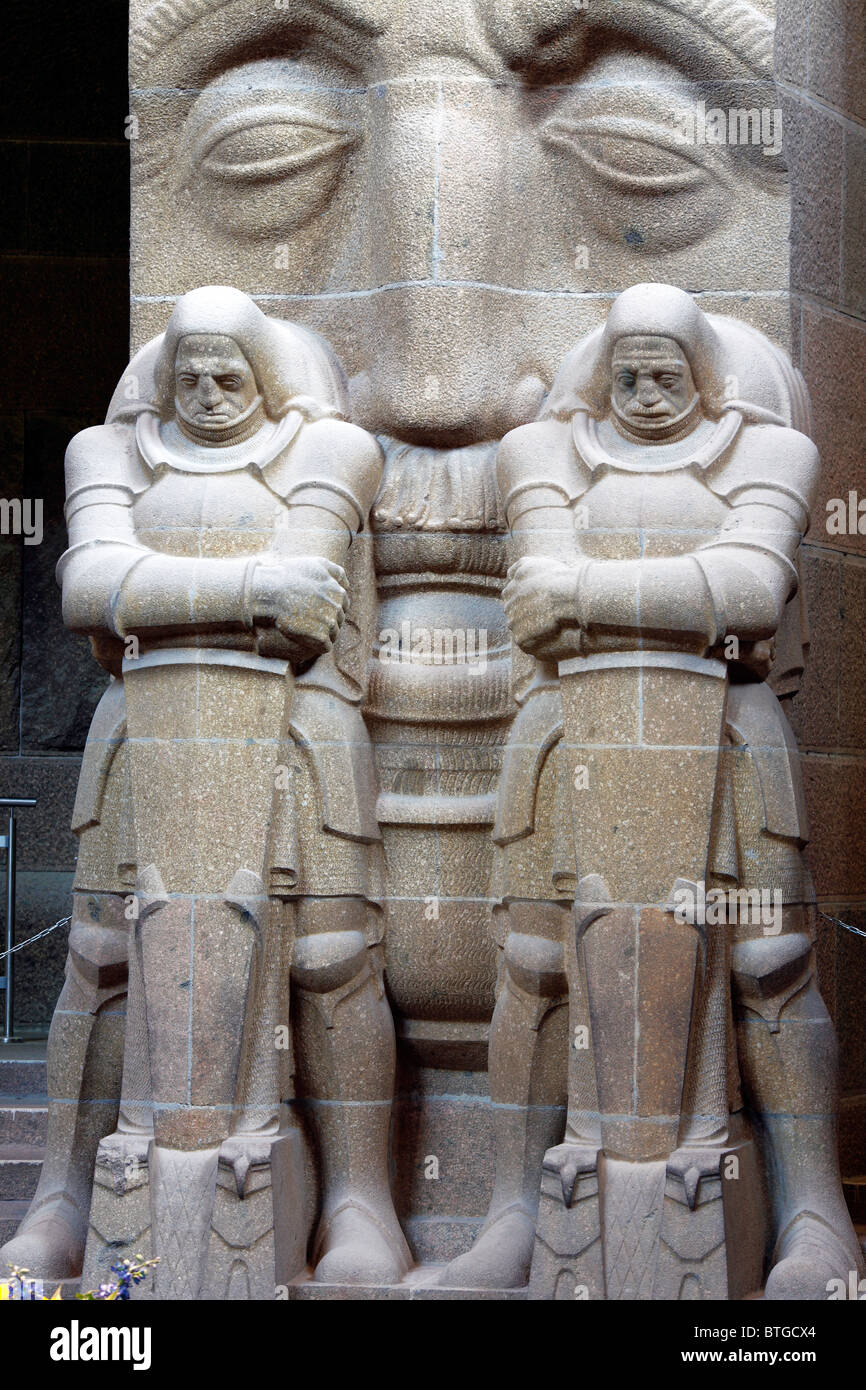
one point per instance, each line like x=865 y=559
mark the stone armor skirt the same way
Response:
x=324 y=806
x=759 y=821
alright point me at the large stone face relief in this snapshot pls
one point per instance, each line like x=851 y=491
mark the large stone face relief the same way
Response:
x=448 y=587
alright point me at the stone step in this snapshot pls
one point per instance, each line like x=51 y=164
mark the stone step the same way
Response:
x=23 y=1122
x=22 y=1077
x=19 y=1171
x=11 y=1215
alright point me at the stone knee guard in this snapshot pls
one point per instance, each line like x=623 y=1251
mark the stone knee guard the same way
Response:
x=769 y=971
x=331 y=962
x=83 y=1064
x=534 y=971
x=97 y=966
x=85 y=1043
x=336 y=951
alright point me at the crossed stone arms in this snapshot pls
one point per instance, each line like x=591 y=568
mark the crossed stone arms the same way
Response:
x=323 y=487
x=737 y=583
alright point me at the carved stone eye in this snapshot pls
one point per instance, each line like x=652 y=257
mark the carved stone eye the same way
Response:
x=633 y=156
x=256 y=146
x=630 y=171
x=265 y=167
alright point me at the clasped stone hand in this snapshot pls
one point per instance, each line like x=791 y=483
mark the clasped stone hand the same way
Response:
x=305 y=597
x=540 y=599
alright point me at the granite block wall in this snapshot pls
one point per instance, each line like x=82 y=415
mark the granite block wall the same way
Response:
x=821 y=63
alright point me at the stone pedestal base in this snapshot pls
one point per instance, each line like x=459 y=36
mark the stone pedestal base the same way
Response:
x=419 y=1286
x=258 y=1234
x=688 y=1228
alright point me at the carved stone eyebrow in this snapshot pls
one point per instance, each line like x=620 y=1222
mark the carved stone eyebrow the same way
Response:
x=196 y=366
x=653 y=351
x=152 y=40
x=658 y=359
x=733 y=40
x=660 y=364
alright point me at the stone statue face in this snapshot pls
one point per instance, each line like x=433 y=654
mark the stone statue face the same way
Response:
x=443 y=190
x=214 y=383
x=652 y=388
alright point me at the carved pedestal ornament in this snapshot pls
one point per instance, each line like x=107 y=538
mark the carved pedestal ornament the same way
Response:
x=440 y=825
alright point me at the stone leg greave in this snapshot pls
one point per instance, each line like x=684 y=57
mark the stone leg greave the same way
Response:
x=638 y=1206
x=345 y=1051
x=787 y=1049
x=85 y=1048
x=204 y=740
x=195 y=1059
x=211 y=1212
x=120 y=1223
x=528 y=1090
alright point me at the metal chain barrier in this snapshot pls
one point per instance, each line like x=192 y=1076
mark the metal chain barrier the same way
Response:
x=839 y=923
x=37 y=937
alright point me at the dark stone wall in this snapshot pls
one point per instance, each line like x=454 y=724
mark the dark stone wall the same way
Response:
x=64 y=255
x=821 y=62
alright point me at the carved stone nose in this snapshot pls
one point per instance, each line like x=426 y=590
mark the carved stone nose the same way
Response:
x=648 y=393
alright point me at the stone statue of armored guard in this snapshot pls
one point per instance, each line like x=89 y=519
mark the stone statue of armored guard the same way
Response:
x=226 y=813
x=656 y=918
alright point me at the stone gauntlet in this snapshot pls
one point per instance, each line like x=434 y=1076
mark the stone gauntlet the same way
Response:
x=118 y=588
x=692 y=601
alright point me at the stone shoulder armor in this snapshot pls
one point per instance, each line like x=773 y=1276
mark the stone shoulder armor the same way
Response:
x=331 y=464
x=103 y=457
x=768 y=458
x=338 y=466
x=538 y=460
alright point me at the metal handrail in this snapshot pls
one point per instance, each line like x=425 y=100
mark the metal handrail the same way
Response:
x=8 y=842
